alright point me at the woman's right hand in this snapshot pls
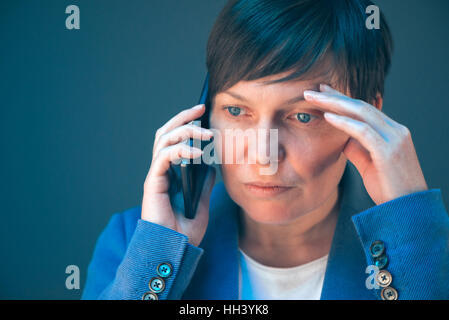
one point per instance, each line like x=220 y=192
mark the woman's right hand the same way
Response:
x=168 y=147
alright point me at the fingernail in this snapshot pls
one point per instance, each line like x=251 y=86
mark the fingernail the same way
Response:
x=331 y=116
x=199 y=106
x=310 y=94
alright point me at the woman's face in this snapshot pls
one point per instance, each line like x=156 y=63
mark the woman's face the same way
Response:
x=310 y=162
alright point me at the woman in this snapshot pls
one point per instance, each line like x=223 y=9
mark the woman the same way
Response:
x=347 y=213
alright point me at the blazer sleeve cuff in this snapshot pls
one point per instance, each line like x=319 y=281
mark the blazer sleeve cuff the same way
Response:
x=151 y=245
x=415 y=231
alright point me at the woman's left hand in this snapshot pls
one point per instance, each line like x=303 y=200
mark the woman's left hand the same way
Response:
x=381 y=149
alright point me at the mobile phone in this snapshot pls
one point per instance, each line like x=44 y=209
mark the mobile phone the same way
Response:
x=188 y=176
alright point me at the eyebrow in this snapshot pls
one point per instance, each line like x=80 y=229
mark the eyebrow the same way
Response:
x=288 y=102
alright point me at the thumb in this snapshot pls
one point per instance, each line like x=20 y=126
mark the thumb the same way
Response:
x=357 y=154
x=203 y=205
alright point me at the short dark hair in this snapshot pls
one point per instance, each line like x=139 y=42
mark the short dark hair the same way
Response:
x=252 y=39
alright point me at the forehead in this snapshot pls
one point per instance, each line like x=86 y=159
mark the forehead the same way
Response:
x=324 y=71
x=261 y=89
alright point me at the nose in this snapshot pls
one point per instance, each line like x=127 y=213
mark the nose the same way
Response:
x=268 y=148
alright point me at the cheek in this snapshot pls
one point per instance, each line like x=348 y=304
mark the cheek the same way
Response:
x=229 y=172
x=218 y=128
x=230 y=140
x=316 y=156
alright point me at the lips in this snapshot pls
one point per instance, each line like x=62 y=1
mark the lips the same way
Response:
x=266 y=189
x=267 y=184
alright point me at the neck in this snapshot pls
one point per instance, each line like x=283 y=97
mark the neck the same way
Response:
x=297 y=242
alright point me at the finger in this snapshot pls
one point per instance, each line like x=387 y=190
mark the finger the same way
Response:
x=329 y=89
x=180 y=134
x=358 y=109
x=358 y=130
x=174 y=153
x=181 y=118
x=385 y=117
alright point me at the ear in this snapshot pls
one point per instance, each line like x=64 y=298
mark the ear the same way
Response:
x=378 y=101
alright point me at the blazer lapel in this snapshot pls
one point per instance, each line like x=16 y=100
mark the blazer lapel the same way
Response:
x=345 y=272
x=217 y=273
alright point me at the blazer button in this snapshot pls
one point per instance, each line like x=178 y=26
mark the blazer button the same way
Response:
x=381 y=261
x=389 y=293
x=384 y=278
x=164 y=269
x=149 y=296
x=377 y=248
x=157 y=284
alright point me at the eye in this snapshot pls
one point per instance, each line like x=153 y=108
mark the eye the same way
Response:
x=304 y=117
x=234 y=111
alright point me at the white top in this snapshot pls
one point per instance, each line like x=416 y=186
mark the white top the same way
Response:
x=260 y=282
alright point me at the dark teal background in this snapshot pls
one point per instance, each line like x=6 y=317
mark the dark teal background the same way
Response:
x=79 y=109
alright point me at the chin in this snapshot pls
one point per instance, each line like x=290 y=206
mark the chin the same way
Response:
x=271 y=213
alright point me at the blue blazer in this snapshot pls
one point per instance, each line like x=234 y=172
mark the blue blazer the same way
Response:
x=414 y=229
